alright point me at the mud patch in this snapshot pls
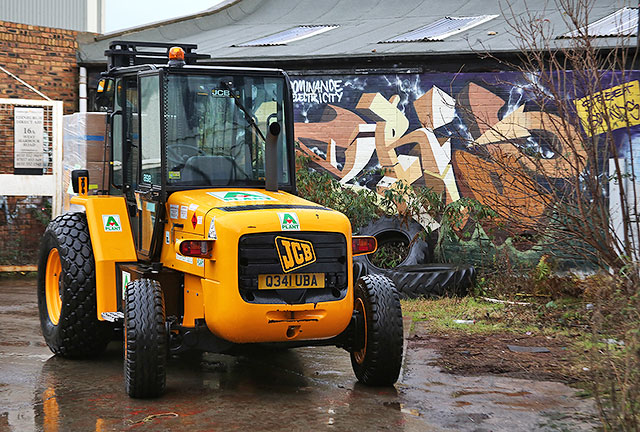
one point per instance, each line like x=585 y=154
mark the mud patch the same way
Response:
x=471 y=354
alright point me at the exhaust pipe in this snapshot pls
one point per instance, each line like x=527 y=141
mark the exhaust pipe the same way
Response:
x=271 y=157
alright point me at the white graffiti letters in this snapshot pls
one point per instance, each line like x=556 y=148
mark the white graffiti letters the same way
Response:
x=317 y=91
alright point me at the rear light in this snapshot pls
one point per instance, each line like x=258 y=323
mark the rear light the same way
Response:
x=362 y=245
x=196 y=248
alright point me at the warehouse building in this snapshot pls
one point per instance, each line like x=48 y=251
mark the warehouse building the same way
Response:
x=399 y=91
x=383 y=91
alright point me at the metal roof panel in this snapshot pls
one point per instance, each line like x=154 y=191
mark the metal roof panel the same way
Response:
x=287 y=36
x=623 y=22
x=440 y=29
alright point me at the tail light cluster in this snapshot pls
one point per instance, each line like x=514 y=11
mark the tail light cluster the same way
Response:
x=196 y=248
x=363 y=245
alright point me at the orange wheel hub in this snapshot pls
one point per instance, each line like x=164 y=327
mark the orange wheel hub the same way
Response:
x=52 y=286
x=360 y=354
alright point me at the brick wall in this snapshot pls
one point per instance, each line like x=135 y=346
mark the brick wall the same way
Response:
x=46 y=59
x=43 y=57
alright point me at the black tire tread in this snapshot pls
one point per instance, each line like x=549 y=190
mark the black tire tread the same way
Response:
x=383 y=358
x=78 y=333
x=432 y=280
x=146 y=339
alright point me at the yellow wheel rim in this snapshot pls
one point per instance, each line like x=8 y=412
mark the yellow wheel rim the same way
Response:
x=360 y=355
x=52 y=286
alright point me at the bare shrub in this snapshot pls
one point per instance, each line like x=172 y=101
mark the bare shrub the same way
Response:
x=582 y=102
x=584 y=98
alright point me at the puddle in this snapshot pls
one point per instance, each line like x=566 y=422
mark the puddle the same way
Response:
x=309 y=388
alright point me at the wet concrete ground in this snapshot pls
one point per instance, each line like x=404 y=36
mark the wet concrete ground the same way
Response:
x=298 y=389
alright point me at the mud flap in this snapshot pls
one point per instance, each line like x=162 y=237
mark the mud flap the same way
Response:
x=112 y=241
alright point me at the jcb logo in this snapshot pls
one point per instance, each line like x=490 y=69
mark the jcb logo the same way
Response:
x=220 y=93
x=294 y=253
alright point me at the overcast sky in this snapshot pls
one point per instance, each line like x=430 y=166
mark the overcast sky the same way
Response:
x=123 y=14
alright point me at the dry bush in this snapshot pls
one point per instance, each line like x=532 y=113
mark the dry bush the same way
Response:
x=559 y=177
x=615 y=351
x=574 y=173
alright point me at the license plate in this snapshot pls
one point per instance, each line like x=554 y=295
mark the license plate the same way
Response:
x=291 y=281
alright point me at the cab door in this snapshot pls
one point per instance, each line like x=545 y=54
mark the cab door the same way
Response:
x=149 y=191
x=125 y=145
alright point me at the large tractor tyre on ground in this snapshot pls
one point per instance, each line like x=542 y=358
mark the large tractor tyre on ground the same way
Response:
x=432 y=280
x=66 y=289
x=393 y=233
x=146 y=339
x=379 y=360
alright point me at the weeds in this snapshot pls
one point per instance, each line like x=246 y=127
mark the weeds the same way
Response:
x=448 y=221
x=615 y=351
x=390 y=254
x=360 y=206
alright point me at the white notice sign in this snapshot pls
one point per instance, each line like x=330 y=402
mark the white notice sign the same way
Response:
x=28 y=138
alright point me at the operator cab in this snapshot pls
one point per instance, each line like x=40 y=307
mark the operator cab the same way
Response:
x=178 y=126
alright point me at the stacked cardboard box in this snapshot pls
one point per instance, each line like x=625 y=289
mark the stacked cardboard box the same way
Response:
x=84 y=147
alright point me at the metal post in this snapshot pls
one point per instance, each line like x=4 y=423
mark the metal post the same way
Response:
x=56 y=200
x=82 y=90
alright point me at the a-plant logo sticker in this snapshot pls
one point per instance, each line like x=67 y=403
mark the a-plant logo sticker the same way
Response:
x=289 y=221
x=294 y=253
x=111 y=223
x=235 y=196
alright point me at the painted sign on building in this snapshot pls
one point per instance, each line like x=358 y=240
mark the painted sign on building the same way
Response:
x=28 y=137
x=615 y=108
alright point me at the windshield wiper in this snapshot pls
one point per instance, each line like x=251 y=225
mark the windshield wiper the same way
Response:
x=247 y=114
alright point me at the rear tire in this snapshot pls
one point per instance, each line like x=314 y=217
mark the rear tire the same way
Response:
x=390 y=230
x=432 y=280
x=378 y=362
x=67 y=289
x=145 y=352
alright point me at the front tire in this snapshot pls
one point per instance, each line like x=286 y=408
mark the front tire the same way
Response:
x=379 y=360
x=67 y=289
x=145 y=339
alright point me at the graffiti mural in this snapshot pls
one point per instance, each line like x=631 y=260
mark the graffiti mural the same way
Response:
x=426 y=129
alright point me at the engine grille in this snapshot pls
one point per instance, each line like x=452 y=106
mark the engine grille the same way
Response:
x=257 y=254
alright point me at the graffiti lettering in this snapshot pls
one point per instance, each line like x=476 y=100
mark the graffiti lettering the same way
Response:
x=317 y=91
x=610 y=109
x=608 y=95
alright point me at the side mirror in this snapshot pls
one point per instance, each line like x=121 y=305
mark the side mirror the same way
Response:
x=105 y=85
x=271 y=157
x=80 y=181
x=104 y=94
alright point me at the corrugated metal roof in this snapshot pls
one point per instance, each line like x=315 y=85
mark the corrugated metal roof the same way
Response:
x=288 y=36
x=362 y=25
x=440 y=29
x=623 y=22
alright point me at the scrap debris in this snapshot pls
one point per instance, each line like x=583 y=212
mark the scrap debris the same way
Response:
x=528 y=349
x=492 y=300
x=151 y=417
